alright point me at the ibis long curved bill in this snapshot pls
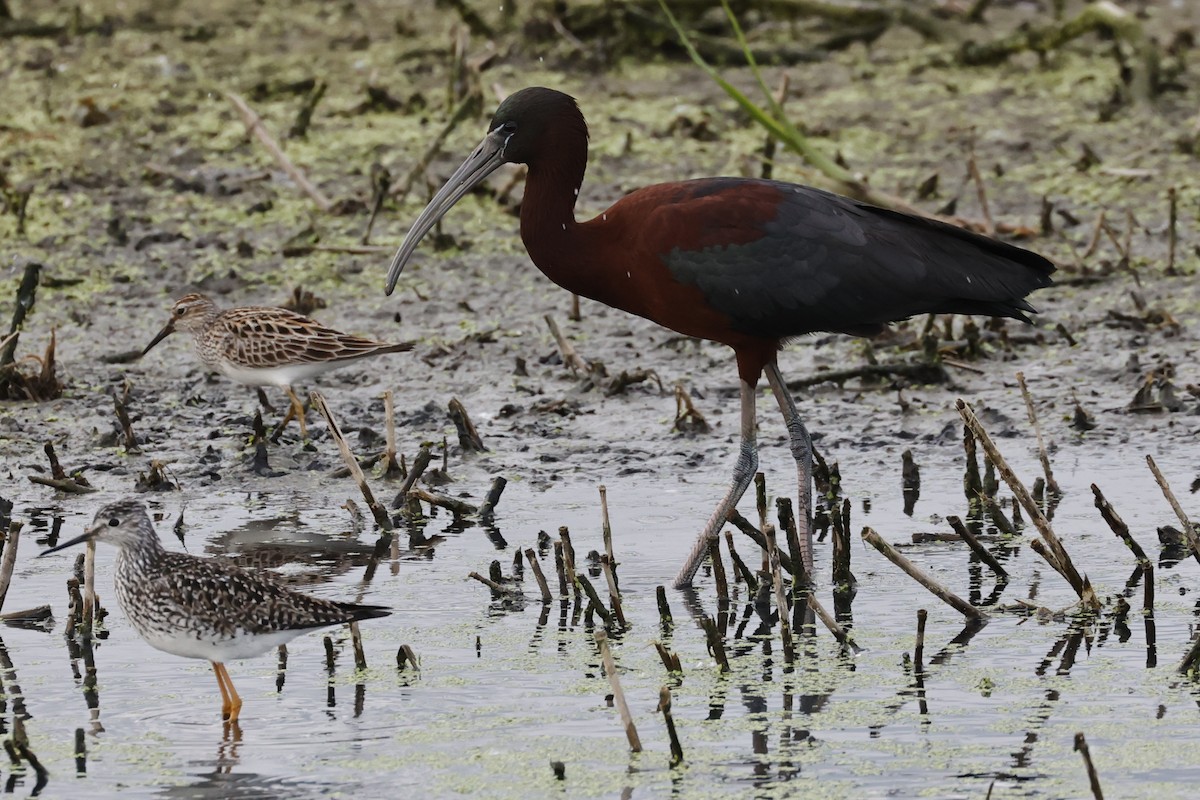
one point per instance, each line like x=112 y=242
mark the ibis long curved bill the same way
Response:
x=482 y=162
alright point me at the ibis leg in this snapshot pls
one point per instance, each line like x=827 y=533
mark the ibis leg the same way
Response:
x=743 y=473
x=801 y=451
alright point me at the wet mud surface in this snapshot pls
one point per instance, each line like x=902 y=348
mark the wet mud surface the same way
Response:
x=159 y=192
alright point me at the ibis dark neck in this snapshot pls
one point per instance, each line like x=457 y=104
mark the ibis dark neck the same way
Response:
x=548 y=226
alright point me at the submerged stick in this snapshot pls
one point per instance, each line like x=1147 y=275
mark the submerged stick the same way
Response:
x=610 y=668
x=540 y=576
x=785 y=625
x=716 y=643
x=468 y=437
x=420 y=463
x=664 y=610
x=1093 y=779
x=739 y=566
x=89 y=587
x=498 y=588
x=1051 y=484
x=590 y=590
x=377 y=510
x=1119 y=527
x=390 y=467
x=664 y=706
x=839 y=632
x=360 y=657
x=406 y=656
x=1066 y=566
x=1189 y=532
x=977 y=547
x=670 y=660
x=9 y=559
x=614 y=596
x=570 y=356
x=916 y=573
x=488 y=506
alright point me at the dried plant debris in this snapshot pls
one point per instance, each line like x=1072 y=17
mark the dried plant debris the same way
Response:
x=158 y=479
x=1157 y=392
x=303 y=302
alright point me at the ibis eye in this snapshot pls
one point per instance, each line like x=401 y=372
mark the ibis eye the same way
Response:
x=509 y=127
x=114 y=522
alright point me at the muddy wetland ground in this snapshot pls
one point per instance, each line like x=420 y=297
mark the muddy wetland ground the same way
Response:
x=129 y=177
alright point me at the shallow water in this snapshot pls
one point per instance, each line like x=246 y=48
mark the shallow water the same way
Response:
x=501 y=692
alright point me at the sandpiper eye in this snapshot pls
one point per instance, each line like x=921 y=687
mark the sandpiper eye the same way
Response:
x=179 y=312
x=113 y=522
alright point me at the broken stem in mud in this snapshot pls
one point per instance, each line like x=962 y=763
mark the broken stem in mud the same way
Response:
x=606 y=528
x=989 y=227
x=916 y=573
x=919 y=649
x=610 y=669
x=560 y=566
x=1093 y=779
x=1172 y=236
x=254 y=125
x=739 y=566
x=1051 y=484
x=498 y=588
x=977 y=547
x=1119 y=528
x=745 y=526
x=568 y=549
x=360 y=656
x=420 y=463
x=391 y=468
x=1062 y=559
x=839 y=632
x=716 y=643
x=614 y=596
x=785 y=625
x=670 y=660
x=459 y=508
x=405 y=656
x=468 y=437
x=9 y=560
x=487 y=508
x=664 y=609
x=581 y=581
x=1192 y=658
x=664 y=706
x=131 y=445
x=377 y=510
x=1189 y=533
x=89 y=587
x=718 y=568
x=570 y=356
x=536 y=566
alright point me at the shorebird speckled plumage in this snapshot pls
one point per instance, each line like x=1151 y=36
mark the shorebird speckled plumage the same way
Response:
x=267 y=346
x=203 y=607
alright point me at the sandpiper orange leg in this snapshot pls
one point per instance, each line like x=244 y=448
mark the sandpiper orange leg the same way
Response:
x=226 y=703
x=230 y=712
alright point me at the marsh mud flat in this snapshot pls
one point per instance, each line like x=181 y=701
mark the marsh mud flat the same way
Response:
x=142 y=184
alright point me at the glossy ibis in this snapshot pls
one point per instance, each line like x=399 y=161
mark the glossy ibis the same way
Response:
x=748 y=263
